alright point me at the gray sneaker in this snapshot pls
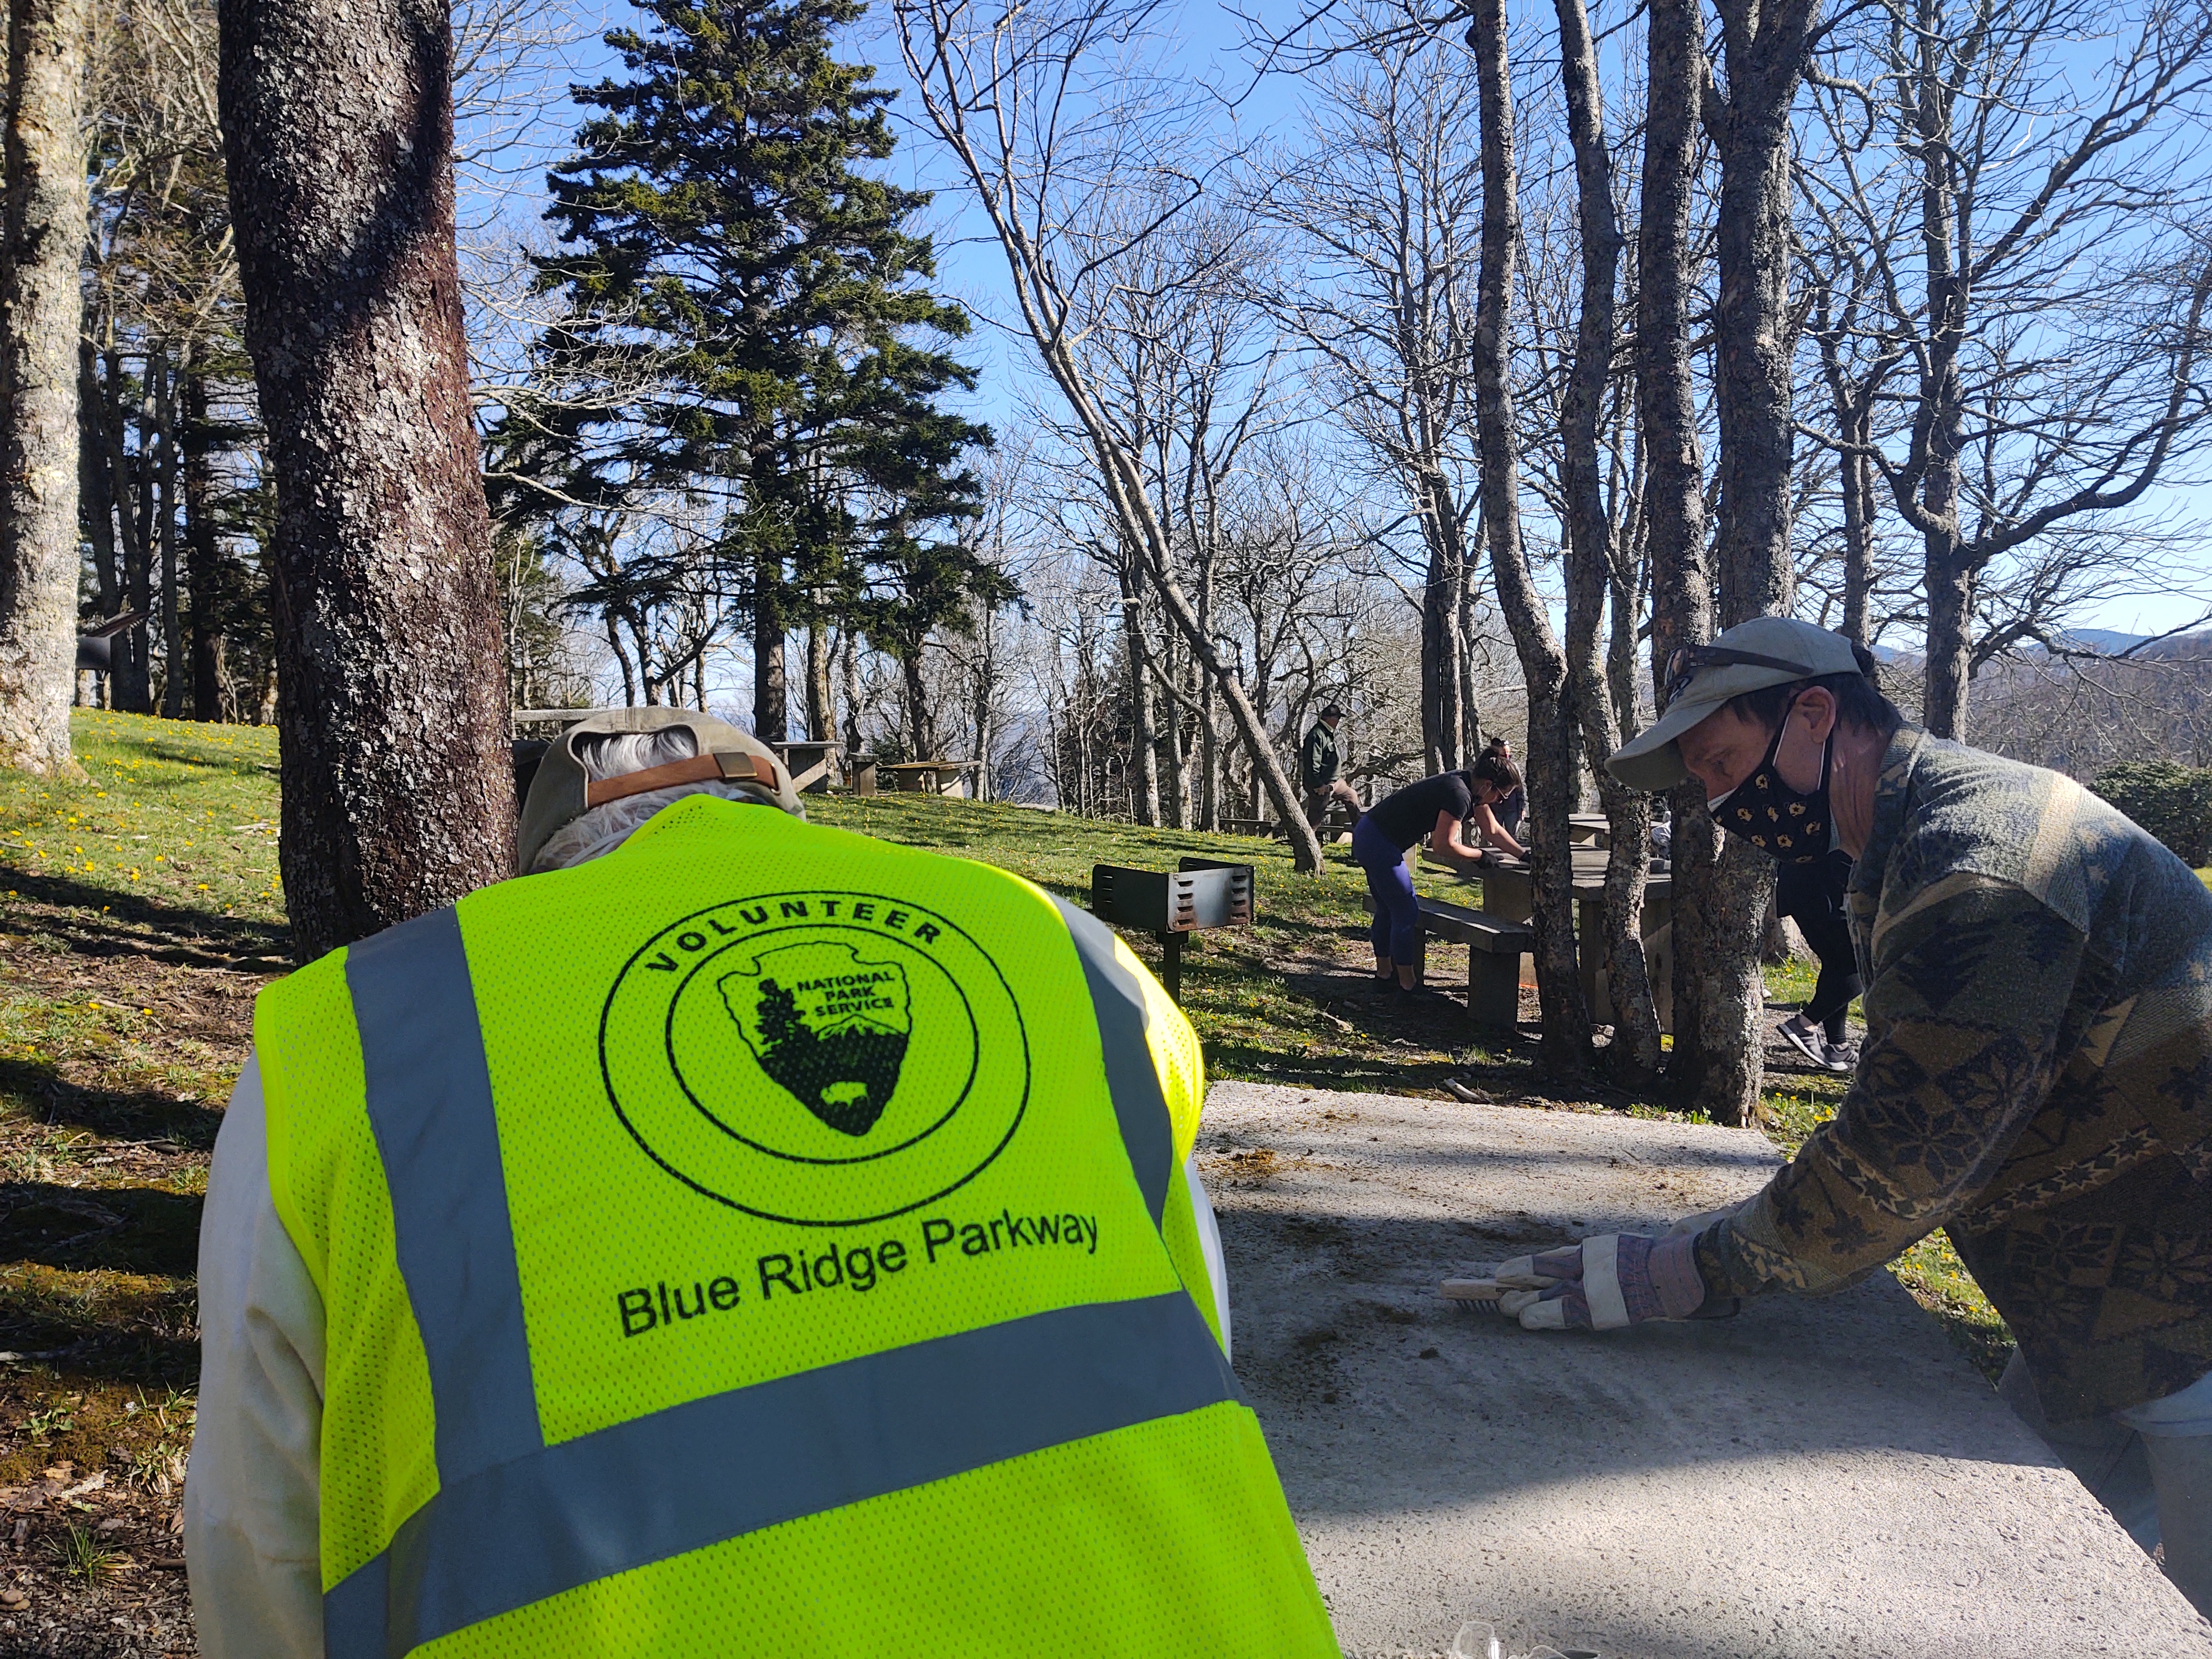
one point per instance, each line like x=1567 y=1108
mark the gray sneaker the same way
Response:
x=1839 y=1057
x=1807 y=1038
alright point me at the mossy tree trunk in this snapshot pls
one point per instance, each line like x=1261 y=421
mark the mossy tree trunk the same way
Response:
x=41 y=309
x=337 y=127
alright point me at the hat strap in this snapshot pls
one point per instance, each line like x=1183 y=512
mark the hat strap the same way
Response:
x=700 y=769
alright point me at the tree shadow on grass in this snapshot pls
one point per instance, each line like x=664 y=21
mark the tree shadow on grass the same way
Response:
x=96 y=1282
x=164 y=747
x=101 y=922
x=102 y=1326
x=140 y=1230
x=136 y=1114
x=1337 y=1072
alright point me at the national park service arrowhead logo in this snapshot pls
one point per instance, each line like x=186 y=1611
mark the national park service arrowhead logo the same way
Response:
x=829 y=1027
x=819 y=1057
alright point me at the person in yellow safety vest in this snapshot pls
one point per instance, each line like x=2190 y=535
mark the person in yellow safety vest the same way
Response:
x=734 y=1237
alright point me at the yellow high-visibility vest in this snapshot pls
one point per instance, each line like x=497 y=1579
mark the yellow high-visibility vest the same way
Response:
x=765 y=1240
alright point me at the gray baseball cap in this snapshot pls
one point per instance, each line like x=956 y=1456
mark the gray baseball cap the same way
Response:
x=563 y=790
x=1749 y=657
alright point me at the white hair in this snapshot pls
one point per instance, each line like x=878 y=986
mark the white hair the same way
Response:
x=605 y=754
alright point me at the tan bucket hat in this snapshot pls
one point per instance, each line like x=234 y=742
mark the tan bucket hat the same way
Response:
x=1749 y=657
x=563 y=790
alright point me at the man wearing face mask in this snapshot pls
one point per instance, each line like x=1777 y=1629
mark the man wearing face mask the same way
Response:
x=2036 y=1077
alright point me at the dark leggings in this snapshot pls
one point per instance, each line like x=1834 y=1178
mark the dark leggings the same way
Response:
x=1397 y=929
x=1830 y=937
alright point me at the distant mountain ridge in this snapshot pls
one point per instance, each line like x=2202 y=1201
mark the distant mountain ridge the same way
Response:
x=2108 y=642
x=2104 y=641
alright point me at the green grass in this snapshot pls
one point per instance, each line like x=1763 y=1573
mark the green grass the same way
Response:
x=142 y=912
x=1283 y=1002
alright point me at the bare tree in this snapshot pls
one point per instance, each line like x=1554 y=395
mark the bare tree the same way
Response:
x=1854 y=363
x=1550 y=756
x=41 y=244
x=2051 y=330
x=1593 y=557
x=1764 y=50
x=1186 y=366
x=337 y=125
x=1723 y=888
x=1046 y=129
x=1716 y=992
x=1385 y=206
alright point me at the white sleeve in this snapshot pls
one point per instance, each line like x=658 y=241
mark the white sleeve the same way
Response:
x=253 y=1489
x=1209 y=1244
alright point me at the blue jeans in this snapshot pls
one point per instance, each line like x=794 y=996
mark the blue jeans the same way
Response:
x=1397 y=929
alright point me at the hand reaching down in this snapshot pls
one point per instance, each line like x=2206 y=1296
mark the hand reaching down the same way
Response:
x=1603 y=1284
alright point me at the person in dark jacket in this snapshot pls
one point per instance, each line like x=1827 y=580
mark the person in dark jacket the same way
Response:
x=1319 y=767
x=1812 y=896
x=1436 y=807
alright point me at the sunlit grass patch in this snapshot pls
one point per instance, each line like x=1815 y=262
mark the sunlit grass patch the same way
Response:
x=1939 y=1281
x=170 y=814
x=1794 y=1107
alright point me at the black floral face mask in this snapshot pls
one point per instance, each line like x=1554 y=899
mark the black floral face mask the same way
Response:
x=1774 y=817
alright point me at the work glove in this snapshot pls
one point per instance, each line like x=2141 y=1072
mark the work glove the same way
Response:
x=1602 y=1283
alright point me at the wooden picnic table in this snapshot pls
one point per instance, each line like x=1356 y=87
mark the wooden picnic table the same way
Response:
x=1589 y=830
x=1508 y=894
x=944 y=776
x=809 y=762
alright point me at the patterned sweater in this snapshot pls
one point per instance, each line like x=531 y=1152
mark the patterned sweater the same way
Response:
x=2037 y=1078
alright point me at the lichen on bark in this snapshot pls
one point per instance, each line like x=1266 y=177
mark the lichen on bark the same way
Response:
x=338 y=129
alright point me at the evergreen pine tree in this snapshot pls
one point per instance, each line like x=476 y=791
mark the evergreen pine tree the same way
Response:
x=740 y=326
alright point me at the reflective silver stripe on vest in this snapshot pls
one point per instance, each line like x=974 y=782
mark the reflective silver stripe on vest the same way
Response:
x=515 y=1521
x=429 y=1103
x=1146 y=1129
x=659 y=1486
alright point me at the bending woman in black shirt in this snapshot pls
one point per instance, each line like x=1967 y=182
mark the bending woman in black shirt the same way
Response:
x=1435 y=807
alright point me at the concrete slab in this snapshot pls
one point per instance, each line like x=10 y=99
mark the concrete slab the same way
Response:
x=1813 y=1478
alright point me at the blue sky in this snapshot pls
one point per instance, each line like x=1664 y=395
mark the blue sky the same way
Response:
x=1205 y=50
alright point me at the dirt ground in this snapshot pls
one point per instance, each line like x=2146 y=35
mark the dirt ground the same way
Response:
x=99 y=1230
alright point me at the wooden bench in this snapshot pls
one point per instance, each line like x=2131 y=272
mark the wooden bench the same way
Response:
x=1494 y=950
